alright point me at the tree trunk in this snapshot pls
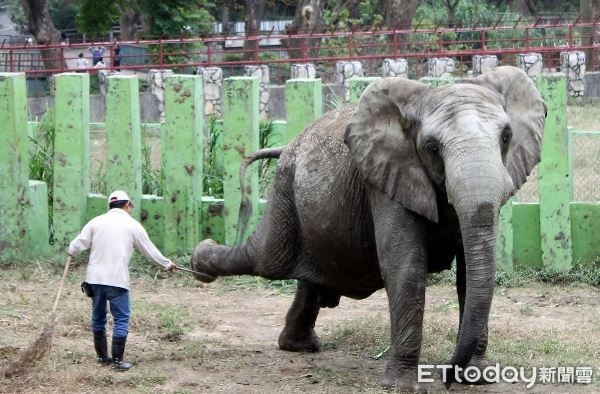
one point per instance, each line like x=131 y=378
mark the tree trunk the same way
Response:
x=526 y=8
x=255 y=10
x=308 y=19
x=128 y=20
x=399 y=13
x=590 y=10
x=451 y=9
x=40 y=25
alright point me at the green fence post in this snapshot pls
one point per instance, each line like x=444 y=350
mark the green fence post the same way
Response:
x=182 y=160
x=71 y=155
x=14 y=154
x=555 y=185
x=358 y=86
x=304 y=104
x=38 y=232
x=240 y=138
x=123 y=138
x=435 y=82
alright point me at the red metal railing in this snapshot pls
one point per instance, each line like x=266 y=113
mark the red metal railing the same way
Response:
x=326 y=47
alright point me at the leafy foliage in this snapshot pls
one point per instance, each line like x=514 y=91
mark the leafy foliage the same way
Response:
x=41 y=157
x=160 y=18
x=176 y=17
x=213 y=159
x=96 y=17
x=152 y=179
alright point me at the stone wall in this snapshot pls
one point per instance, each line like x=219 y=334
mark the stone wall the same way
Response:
x=395 y=68
x=531 y=63
x=573 y=66
x=262 y=72
x=347 y=70
x=483 y=63
x=213 y=86
x=440 y=67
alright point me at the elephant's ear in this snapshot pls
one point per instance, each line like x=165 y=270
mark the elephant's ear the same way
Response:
x=527 y=113
x=378 y=136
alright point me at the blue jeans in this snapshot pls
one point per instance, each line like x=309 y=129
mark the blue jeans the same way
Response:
x=118 y=298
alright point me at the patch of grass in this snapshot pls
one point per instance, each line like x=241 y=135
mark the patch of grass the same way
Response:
x=136 y=377
x=98 y=182
x=233 y=283
x=362 y=336
x=447 y=277
x=588 y=274
x=439 y=340
x=333 y=101
x=213 y=159
x=551 y=348
x=583 y=116
x=152 y=180
x=160 y=321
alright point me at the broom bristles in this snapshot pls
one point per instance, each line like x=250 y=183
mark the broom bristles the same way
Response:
x=35 y=352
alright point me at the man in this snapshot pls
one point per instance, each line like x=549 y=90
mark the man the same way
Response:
x=82 y=63
x=112 y=237
x=97 y=53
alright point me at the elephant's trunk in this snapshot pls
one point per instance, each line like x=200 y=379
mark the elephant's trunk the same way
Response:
x=479 y=241
x=477 y=190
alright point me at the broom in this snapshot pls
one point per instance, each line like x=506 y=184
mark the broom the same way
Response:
x=42 y=345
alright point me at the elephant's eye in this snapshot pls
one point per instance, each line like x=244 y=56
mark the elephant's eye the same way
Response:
x=432 y=148
x=506 y=136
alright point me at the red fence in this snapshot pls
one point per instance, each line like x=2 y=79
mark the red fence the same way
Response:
x=325 y=48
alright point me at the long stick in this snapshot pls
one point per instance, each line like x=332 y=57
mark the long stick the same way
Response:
x=62 y=282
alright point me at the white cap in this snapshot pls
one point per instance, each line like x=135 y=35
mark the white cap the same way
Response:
x=118 y=195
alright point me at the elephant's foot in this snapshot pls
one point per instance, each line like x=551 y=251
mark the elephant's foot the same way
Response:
x=402 y=379
x=203 y=260
x=295 y=341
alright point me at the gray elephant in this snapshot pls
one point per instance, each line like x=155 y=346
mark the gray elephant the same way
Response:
x=380 y=194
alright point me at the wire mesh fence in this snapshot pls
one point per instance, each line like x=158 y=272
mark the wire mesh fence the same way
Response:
x=585 y=153
x=586 y=166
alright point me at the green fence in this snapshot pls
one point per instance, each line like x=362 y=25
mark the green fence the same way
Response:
x=553 y=232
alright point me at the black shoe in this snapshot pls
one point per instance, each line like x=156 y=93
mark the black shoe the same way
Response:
x=118 y=348
x=101 y=347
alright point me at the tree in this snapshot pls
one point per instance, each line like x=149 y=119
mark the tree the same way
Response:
x=255 y=10
x=96 y=18
x=163 y=18
x=307 y=19
x=40 y=25
x=399 y=13
x=451 y=9
x=590 y=10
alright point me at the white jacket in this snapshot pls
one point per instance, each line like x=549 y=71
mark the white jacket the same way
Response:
x=112 y=237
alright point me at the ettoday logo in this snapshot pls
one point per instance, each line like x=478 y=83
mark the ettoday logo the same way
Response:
x=508 y=374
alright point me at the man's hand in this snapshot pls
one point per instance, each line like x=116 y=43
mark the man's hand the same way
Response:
x=172 y=267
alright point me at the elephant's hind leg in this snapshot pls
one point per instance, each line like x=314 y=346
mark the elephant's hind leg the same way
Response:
x=212 y=260
x=299 y=334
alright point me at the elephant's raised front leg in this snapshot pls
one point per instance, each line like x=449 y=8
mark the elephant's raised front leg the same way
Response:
x=402 y=258
x=479 y=359
x=299 y=335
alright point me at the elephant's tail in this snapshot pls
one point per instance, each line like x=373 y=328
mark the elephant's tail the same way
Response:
x=245 y=205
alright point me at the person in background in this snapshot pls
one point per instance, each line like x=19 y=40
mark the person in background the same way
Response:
x=97 y=53
x=82 y=63
x=117 y=58
x=100 y=63
x=112 y=237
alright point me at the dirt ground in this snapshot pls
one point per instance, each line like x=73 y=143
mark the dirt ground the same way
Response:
x=192 y=338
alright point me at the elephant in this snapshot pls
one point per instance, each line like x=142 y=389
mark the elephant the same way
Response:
x=378 y=194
